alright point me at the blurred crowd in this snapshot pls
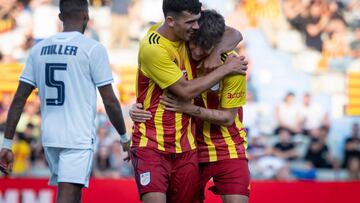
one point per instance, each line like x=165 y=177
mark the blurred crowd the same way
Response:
x=288 y=140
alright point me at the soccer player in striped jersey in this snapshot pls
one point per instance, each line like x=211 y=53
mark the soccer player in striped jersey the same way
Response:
x=67 y=68
x=163 y=148
x=220 y=134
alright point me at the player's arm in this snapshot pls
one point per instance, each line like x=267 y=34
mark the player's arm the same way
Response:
x=6 y=156
x=229 y=41
x=102 y=76
x=225 y=117
x=157 y=64
x=113 y=110
x=189 y=89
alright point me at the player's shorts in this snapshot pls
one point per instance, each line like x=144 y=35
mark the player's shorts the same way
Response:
x=231 y=177
x=176 y=175
x=69 y=165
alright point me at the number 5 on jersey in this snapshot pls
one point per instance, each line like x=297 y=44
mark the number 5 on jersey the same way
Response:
x=50 y=81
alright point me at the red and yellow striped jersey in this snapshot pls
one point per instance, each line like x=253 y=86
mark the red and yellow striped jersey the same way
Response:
x=217 y=142
x=162 y=63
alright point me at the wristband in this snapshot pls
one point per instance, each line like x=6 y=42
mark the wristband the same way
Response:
x=7 y=144
x=124 y=138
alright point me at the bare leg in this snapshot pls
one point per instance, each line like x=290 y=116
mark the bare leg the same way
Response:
x=69 y=193
x=235 y=198
x=152 y=197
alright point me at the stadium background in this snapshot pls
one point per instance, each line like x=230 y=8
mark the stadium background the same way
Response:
x=299 y=46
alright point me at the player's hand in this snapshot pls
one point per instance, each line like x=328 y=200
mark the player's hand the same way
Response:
x=175 y=104
x=6 y=161
x=236 y=64
x=127 y=158
x=137 y=114
x=211 y=62
x=125 y=146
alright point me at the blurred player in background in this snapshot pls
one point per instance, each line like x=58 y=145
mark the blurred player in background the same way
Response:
x=66 y=68
x=220 y=134
x=163 y=149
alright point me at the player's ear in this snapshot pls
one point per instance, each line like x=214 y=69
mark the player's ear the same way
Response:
x=170 y=21
x=61 y=17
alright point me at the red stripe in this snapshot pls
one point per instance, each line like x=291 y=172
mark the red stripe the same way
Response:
x=203 y=152
x=136 y=133
x=240 y=114
x=212 y=99
x=142 y=86
x=194 y=65
x=184 y=141
x=168 y=120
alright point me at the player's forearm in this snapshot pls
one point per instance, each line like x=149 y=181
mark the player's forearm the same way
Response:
x=198 y=85
x=214 y=116
x=113 y=110
x=16 y=108
x=13 y=117
x=229 y=41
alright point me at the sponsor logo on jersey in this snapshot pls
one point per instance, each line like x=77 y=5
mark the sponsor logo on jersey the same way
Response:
x=235 y=95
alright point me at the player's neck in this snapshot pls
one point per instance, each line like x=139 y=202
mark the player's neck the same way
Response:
x=73 y=28
x=166 y=32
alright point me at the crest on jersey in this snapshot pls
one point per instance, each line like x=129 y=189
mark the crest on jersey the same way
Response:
x=216 y=87
x=184 y=73
x=145 y=178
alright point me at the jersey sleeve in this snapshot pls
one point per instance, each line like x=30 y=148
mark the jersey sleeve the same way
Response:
x=28 y=74
x=156 y=63
x=99 y=66
x=233 y=91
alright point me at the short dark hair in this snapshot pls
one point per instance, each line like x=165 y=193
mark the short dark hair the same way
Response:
x=70 y=8
x=211 y=29
x=174 y=7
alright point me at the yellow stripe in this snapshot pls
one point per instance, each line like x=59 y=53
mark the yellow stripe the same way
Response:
x=239 y=125
x=190 y=135
x=209 y=143
x=159 y=127
x=230 y=143
x=132 y=133
x=143 y=138
x=178 y=125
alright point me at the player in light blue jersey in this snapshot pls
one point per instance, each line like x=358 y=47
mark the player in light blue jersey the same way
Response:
x=66 y=68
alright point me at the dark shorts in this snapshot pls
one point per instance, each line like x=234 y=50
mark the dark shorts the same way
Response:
x=230 y=177
x=176 y=175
